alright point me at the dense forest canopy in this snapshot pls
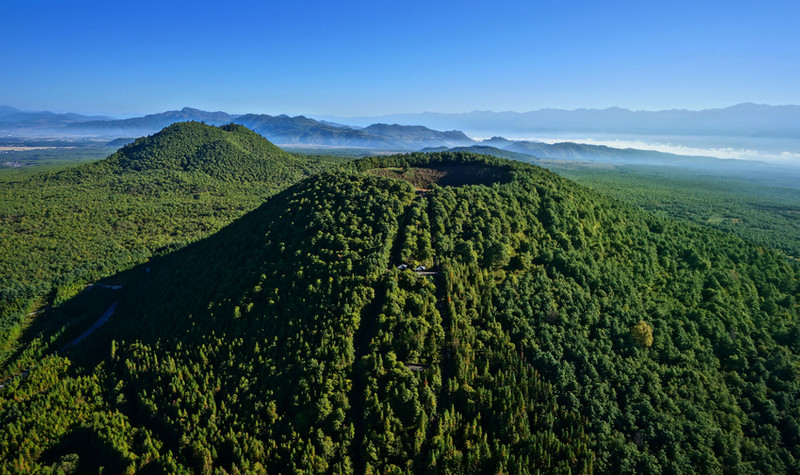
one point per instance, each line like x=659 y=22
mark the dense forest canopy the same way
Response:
x=552 y=329
x=62 y=230
x=759 y=207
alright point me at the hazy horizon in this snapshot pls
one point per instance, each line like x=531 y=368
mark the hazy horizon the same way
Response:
x=319 y=116
x=785 y=149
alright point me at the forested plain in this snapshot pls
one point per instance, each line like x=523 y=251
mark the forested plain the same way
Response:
x=763 y=207
x=554 y=329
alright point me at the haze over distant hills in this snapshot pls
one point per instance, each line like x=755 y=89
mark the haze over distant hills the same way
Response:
x=750 y=131
x=752 y=120
x=149 y=123
x=755 y=120
x=286 y=130
x=280 y=129
x=745 y=131
x=12 y=118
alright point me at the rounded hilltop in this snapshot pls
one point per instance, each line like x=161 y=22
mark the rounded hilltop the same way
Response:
x=229 y=152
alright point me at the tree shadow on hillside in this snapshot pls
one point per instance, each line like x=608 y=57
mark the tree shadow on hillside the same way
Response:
x=82 y=450
x=159 y=297
x=163 y=296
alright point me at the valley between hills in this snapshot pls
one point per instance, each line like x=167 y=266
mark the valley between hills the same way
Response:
x=271 y=314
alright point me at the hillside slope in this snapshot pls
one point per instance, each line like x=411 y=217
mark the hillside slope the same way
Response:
x=229 y=152
x=59 y=231
x=554 y=330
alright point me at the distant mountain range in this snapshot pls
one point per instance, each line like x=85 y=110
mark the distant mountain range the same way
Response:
x=14 y=119
x=301 y=130
x=745 y=126
x=148 y=124
x=535 y=152
x=576 y=151
x=280 y=129
x=753 y=120
x=286 y=130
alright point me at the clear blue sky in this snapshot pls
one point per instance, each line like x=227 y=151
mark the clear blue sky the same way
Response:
x=365 y=58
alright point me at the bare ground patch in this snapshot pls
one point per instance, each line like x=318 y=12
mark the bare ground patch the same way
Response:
x=446 y=175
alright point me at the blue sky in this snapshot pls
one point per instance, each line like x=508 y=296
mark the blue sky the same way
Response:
x=368 y=58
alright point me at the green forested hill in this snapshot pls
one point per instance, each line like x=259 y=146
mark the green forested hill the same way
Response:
x=60 y=230
x=230 y=152
x=554 y=331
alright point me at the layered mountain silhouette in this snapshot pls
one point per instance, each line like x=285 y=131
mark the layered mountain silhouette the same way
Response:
x=767 y=130
x=150 y=123
x=748 y=119
x=14 y=119
x=285 y=130
x=533 y=152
